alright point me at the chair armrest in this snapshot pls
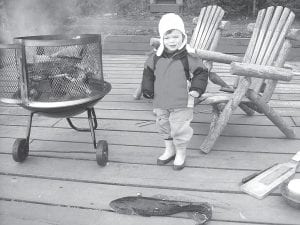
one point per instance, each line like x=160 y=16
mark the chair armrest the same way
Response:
x=217 y=56
x=260 y=71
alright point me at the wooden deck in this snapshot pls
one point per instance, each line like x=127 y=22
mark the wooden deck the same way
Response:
x=60 y=182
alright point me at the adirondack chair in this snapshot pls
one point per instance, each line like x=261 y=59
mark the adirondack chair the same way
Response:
x=259 y=71
x=206 y=35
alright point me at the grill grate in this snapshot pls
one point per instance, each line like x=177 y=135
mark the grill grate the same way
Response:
x=63 y=73
x=10 y=74
x=55 y=69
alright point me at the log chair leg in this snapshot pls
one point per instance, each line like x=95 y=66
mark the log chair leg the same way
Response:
x=216 y=79
x=224 y=116
x=271 y=114
x=216 y=130
x=252 y=106
x=246 y=109
x=215 y=116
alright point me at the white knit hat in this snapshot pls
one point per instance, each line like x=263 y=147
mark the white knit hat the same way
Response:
x=170 y=21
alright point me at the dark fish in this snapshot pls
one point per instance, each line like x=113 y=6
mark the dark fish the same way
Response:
x=146 y=206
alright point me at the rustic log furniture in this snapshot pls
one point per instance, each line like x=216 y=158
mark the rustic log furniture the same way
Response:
x=259 y=71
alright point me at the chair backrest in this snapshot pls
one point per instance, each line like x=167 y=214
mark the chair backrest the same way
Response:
x=207 y=31
x=269 y=44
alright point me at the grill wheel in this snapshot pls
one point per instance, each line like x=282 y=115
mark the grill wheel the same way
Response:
x=20 y=149
x=102 y=153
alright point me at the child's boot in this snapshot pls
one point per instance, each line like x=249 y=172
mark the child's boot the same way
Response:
x=180 y=158
x=169 y=153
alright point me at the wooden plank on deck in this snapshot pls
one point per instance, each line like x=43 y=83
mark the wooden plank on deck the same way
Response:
x=61 y=182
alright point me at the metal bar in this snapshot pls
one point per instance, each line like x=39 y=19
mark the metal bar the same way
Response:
x=29 y=127
x=94 y=118
x=89 y=112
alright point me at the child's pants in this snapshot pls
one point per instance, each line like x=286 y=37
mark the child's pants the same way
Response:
x=175 y=123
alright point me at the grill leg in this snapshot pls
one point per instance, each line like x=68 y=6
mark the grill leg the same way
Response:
x=92 y=118
x=29 y=127
x=20 y=149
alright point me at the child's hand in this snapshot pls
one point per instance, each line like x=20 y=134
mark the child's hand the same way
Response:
x=194 y=94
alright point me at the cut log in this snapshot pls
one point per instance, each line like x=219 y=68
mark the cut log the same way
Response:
x=225 y=115
x=264 y=72
x=217 y=56
x=271 y=114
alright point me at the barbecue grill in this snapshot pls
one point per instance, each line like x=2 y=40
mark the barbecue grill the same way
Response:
x=56 y=76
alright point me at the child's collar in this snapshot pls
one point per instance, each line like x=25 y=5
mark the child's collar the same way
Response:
x=175 y=55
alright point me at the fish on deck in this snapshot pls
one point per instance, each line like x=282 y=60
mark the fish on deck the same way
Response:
x=149 y=206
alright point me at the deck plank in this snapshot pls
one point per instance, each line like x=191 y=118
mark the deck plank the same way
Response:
x=200 y=127
x=220 y=159
x=227 y=206
x=130 y=174
x=200 y=116
x=61 y=182
x=20 y=213
x=231 y=143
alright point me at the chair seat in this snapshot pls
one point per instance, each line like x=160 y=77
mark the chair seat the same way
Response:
x=213 y=98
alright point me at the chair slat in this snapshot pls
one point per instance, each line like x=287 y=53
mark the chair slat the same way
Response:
x=250 y=49
x=207 y=27
x=197 y=28
x=272 y=44
x=201 y=30
x=254 y=37
x=208 y=24
x=276 y=35
x=262 y=33
x=281 y=38
x=266 y=44
x=212 y=30
x=271 y=84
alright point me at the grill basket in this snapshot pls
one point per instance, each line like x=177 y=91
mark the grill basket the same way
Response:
x=52 y=71
x=54 y=75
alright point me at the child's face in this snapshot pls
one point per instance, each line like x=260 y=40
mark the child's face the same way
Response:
x=173 y=40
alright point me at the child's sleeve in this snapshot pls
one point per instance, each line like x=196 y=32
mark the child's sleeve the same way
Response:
x=148 y=78
x=200 y=75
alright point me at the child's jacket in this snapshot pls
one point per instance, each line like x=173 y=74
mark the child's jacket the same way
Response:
x=165 y=78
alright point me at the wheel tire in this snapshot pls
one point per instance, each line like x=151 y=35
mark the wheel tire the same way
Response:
x=20 y=150
x=102 y=153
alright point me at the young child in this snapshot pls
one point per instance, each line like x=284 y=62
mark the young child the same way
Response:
x=173 y=77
